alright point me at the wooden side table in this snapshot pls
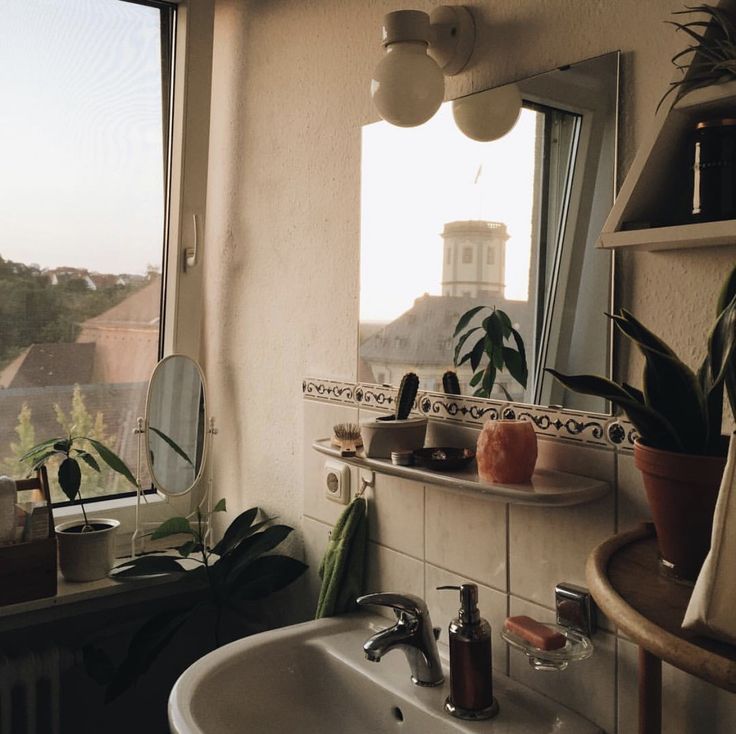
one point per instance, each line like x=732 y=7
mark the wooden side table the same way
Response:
x=624 y=577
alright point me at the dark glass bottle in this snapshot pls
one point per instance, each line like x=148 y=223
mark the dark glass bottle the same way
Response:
x=714 y=171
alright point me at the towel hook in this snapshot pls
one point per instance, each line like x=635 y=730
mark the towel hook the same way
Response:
x=365 y=483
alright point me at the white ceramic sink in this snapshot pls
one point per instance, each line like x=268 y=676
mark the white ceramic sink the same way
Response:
x=313 y=678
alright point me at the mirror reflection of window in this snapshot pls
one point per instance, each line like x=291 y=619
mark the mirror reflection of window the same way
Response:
x=449 y=223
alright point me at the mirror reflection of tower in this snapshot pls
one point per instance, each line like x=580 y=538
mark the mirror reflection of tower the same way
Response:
x=474 y=258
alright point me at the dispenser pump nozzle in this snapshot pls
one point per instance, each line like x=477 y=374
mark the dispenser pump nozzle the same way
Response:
x=469 y=613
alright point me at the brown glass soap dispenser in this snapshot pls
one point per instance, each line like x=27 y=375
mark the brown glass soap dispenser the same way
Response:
x=471 y=681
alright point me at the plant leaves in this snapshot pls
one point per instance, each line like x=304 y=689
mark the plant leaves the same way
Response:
x=505 y=323
x=88 y=459
x=462 y=341
x=238 y=529
x=172 y=526
x=40 y=460
x=477 y=353
x=465 y=319
x=266 y=575
x=516 y=366
x=191 y=546
x=112 y=460
x=221 y=506
x=476 y=378
x=70 y=478
x=148 y=566
x=494 y=328
x=489 y=377
x=38 y=448
x=253 y=547
x=171 y=443
x=520 y=347
x=638 y=333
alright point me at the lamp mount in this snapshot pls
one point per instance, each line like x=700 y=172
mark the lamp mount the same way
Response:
x=452 y=37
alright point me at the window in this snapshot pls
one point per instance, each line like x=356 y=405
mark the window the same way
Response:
x=467 y=255
x=89 y=142
x=490 y=256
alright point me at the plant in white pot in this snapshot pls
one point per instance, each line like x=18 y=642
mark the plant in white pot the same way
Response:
x=678 y=415
x=86 y=547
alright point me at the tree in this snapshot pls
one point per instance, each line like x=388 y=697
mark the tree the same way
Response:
x=12 y=466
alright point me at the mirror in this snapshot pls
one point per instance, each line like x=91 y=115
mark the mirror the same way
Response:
x=449 y=223
x=176 y=425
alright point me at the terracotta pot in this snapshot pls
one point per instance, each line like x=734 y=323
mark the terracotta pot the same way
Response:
x=682 y=490
x=507 y=452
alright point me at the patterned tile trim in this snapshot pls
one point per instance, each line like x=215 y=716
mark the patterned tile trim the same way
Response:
x=570 y=425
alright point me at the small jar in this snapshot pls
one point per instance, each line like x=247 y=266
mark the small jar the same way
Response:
x=714 y=170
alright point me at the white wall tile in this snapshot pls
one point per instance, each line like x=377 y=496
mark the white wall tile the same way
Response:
x=587 y=686
x=466 y=535
x=396 y=514
x=588 y=461
x=632 y=500
x=689 y=705
x=319 y=418
x=444 y=605
x=391 y=571
x=444 y=433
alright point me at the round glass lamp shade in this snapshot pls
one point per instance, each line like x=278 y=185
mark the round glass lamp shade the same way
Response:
x=407 y=86
x=488 y=115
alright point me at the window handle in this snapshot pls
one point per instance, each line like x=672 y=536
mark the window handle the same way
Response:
x=190 y=253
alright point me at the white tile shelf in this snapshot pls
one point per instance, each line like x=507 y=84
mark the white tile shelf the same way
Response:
x=647 y=191
x=547 y=488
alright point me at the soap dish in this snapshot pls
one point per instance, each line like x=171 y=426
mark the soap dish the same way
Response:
x=577 y=647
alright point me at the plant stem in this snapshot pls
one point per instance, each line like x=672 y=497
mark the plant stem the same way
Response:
x=84 y=512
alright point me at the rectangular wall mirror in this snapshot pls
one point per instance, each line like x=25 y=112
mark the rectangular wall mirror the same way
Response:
x=449 y=223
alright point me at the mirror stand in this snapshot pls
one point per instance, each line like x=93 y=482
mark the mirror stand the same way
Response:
x=204 y=505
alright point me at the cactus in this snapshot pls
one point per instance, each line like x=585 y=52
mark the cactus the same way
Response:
x=450 y=383
x=407 y=393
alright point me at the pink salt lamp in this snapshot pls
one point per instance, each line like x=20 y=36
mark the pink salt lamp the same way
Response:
x=507 y=452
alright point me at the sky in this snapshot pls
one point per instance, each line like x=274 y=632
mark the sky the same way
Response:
x=413 y=180
x=81 y=173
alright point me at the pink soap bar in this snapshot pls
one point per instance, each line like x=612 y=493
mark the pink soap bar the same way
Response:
x=535 y=633
x=507 y=451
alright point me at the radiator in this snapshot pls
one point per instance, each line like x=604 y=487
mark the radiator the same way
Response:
x=30 y=691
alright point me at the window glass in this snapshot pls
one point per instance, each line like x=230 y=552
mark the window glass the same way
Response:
x=84 y=146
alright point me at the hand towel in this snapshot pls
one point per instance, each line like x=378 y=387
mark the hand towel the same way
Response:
x=711 y=608
x=343 y=567
x=7 y=510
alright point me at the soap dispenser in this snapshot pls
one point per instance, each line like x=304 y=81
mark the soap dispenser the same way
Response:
x=471 y=682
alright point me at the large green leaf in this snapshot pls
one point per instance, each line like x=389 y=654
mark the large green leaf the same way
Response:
x=516 y=366
x=466 y=318
x=637 y=332
x=477 y=354
x=462 y=341
x=70 y=478
x=519 y=346
x=88 y=459
x=148 y=566
x=267 y=575
x=494 y=328
x=495 y=353
x=476 y=378
x=253 y=547
x=505 y=322
x=489 y=378
x=172 y=444
x=38 y=449
x=238 y=529
x=654 y=429
x=221 y=506
x=172 y=526
x=112 y=460
x=40 y=459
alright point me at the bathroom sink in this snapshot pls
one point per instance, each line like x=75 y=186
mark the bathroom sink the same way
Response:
x=313 y=678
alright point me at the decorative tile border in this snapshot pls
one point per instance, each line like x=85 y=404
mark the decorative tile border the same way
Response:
x=570 y=425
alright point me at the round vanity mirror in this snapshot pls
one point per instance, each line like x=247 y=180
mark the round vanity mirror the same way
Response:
x=176 y=425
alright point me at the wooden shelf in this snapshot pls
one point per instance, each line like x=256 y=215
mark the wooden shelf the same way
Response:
x=547 y=488
x=624 y=577
x=653 y=186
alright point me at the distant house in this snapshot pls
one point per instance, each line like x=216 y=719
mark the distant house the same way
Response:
x=42 y=365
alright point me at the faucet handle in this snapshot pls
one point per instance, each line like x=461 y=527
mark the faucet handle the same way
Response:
x=409 y=604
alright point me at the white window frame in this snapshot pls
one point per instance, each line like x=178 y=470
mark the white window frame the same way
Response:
x=183 y=295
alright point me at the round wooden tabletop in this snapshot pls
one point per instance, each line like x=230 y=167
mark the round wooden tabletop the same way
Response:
x=624 y=577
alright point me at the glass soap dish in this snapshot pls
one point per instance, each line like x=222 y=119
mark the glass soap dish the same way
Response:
x=577 y=647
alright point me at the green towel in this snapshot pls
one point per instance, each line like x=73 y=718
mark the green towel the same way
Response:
x=343 y=567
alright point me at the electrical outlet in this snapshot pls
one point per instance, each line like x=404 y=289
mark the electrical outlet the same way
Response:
x=336 y=481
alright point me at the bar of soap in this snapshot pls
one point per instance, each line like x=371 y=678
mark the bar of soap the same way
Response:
x=535 y=633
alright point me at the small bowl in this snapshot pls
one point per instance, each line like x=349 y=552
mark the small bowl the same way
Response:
x=443 y=458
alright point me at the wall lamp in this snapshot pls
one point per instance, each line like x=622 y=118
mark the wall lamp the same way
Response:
x=408 y=84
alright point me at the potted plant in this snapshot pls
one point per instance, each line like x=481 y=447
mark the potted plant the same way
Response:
x=491 y=334
x=86 y=547
x=677 y=414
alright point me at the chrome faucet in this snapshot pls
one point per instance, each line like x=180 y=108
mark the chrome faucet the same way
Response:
x=412 y=633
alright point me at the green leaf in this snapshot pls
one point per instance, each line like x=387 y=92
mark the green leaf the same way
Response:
x=489 y=377
x=253 y=547
x=63 y=445
x=462 y=341
x=112 y=460
x=38 y=448
x=494 y=328
x=191 y=546
x=221 y=506
x=505 y=323
x=638 y=333
x=148 y=566
x=170 y=442
x=267 y=575
x=477 y=354
x=40 y=460
x=172 y=526
x=476 y=378
x=496 y=355
x=466 y=318
x=70 y=478
x=88 y=459
x=516 y=366
x=520 y=347
x=238 y=530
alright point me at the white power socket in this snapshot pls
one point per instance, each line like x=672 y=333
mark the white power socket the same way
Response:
x=336 y=481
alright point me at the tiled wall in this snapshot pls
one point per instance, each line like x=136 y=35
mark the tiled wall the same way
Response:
x=422 y=537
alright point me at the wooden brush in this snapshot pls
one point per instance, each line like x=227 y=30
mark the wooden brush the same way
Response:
x=346 y=436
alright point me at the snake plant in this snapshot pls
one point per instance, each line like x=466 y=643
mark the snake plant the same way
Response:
x=677 y=409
